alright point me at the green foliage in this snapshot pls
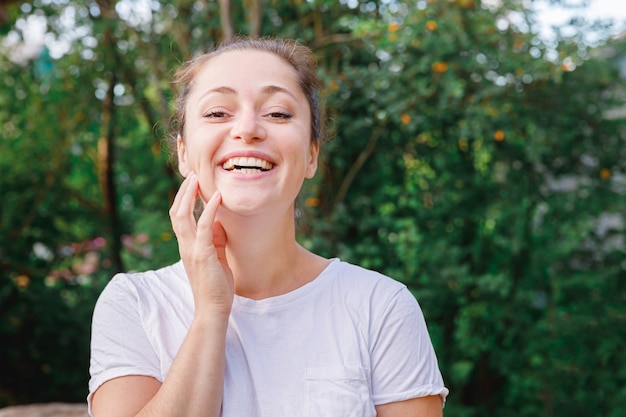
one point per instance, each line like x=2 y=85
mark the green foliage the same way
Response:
x=45 y=340
x=467 y=159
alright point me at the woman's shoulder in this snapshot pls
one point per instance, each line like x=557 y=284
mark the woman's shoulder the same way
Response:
x=161 y=282
x=376 y=298
x=361 y=280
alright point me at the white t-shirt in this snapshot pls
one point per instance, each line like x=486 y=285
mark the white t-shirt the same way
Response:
x=346 y=341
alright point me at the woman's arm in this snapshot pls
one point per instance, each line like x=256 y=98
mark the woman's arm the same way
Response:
x=124 y=396
x=192 y=387
x=430 y=406
x=404 y=363
x=194 y=384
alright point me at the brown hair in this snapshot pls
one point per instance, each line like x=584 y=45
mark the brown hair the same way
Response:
x=298 y=56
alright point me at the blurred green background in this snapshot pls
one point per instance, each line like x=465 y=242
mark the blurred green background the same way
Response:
x=477 y=162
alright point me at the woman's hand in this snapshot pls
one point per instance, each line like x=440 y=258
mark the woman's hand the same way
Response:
x=202 y=248
x=195 y=382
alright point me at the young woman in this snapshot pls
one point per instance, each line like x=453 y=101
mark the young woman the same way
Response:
x=249 y=323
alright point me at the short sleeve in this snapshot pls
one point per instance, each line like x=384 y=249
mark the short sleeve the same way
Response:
x=119 y=344
x=404 y=364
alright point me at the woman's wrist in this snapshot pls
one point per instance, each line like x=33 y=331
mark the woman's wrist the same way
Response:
x=211 y=317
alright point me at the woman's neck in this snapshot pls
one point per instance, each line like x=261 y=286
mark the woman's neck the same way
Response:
x=264 y=256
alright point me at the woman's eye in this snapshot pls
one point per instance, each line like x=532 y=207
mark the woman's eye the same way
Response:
x=280 y=115
x=215 y=114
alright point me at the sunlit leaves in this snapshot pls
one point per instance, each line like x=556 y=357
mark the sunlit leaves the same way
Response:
x=489 y=124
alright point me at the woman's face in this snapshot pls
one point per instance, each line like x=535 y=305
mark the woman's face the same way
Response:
x=247 y=132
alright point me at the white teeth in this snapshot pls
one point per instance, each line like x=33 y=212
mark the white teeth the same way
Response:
x=247 y=165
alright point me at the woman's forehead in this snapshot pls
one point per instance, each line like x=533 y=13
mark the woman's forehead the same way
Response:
x=247 y=68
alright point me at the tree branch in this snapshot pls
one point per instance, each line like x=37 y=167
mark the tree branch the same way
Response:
x=106 y=152
x=255 y=18
x=322 y=41
x=356 y=166
x=225 y=18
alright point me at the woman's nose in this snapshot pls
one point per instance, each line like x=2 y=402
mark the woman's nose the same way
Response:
x=247 y=127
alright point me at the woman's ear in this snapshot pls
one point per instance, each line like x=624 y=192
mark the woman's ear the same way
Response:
x=181 y=150
x=314 y=152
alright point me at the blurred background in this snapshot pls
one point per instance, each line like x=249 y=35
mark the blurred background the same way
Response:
x=477 y=153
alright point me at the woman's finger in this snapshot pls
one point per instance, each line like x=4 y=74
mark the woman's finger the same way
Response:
x=219 y=242
x=181 y=213
x=179 y=196
x=207 y=218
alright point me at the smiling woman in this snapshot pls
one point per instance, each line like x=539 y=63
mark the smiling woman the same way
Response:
x=239 y=100
x=249 y=323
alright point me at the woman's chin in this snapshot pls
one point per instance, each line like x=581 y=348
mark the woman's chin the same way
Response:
x=240 y=205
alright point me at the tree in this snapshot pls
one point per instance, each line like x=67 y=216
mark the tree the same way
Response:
x=468 y=159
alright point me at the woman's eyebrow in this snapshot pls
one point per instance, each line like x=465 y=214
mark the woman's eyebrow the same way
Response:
x=218 y=90
x=267 y=90
x=274 y=89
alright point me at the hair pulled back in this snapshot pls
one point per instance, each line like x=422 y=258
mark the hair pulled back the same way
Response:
x=300 y=57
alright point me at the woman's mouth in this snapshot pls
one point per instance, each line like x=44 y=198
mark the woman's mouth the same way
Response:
x=247 y=165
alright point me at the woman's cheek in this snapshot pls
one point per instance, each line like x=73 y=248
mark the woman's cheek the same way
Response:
x=206 y=184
